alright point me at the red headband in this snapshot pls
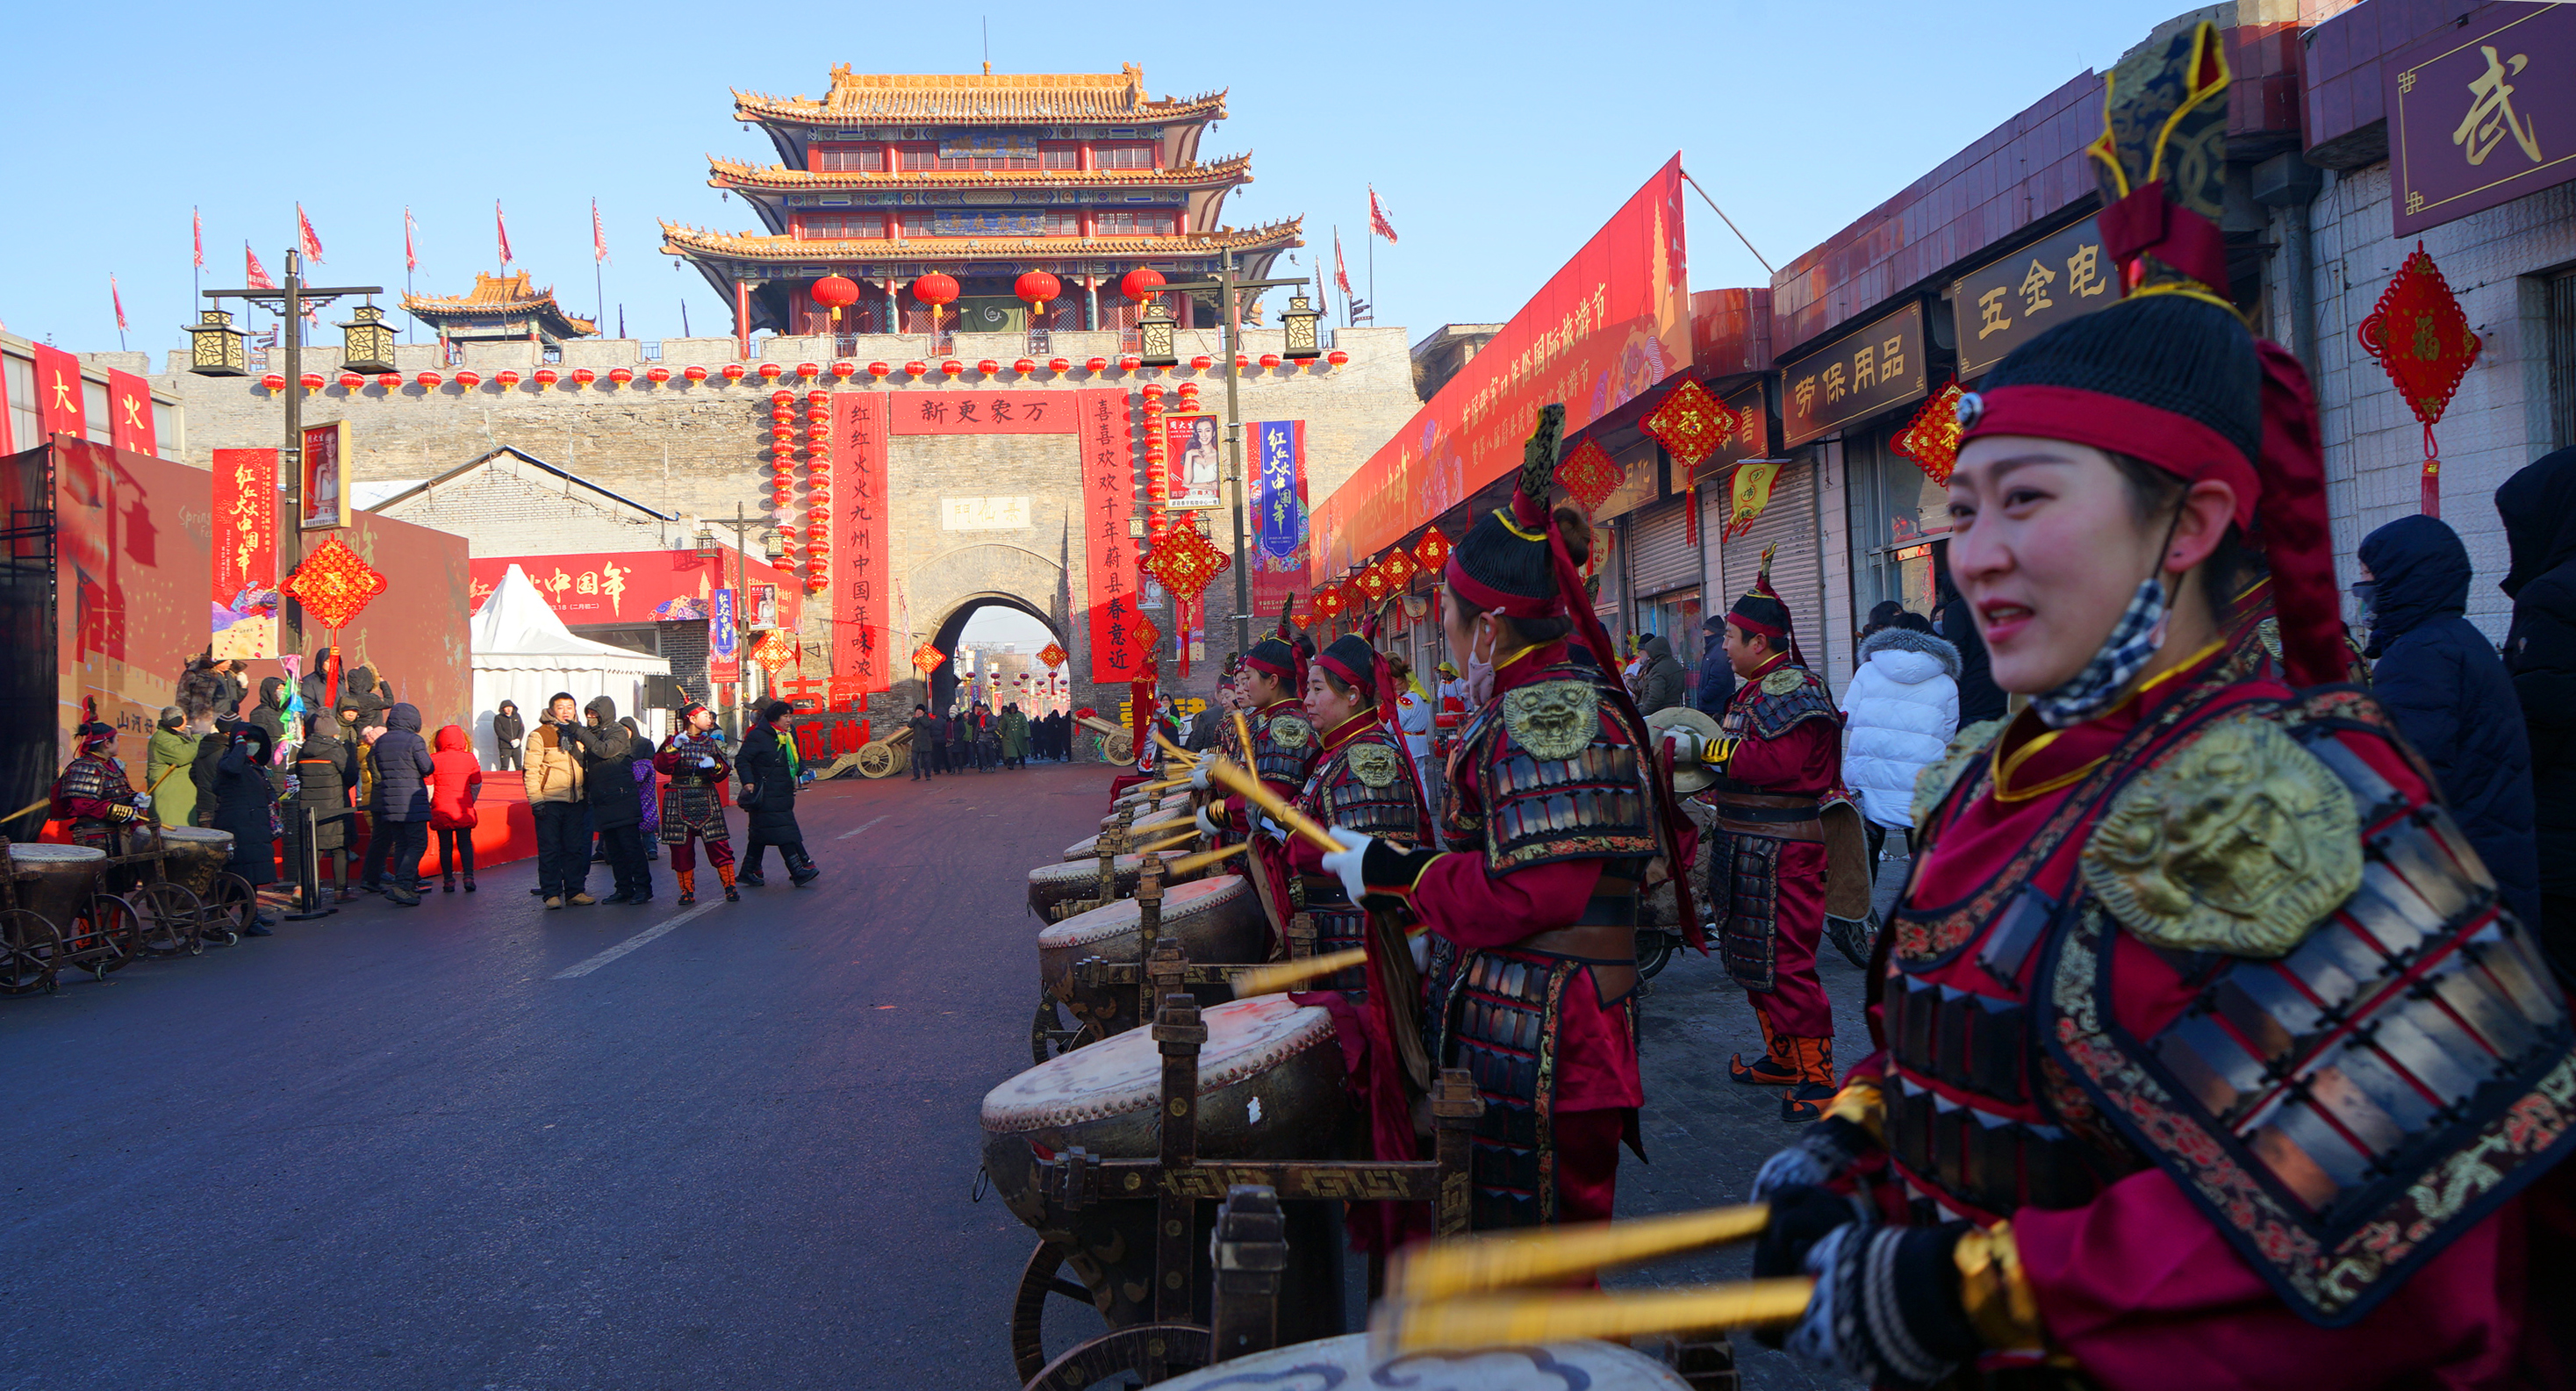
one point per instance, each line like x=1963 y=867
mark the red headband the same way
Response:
x=1493 y=600
x=2178 y=444
x=1283 y=673
x=1365 y=685
x=1755 y=625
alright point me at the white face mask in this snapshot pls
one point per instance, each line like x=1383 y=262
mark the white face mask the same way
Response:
x=1480 y=669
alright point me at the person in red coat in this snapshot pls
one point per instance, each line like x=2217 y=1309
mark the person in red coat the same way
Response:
x=455 y=782
x=2208 y=1053
x=1550 y=817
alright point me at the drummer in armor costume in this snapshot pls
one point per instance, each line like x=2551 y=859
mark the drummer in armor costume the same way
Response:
x=1363 y=781
x=693 y=805
x=1283 y=752
x=2208 y=1055
x=1779 y=750
x=94 y=793
x=1551 y=816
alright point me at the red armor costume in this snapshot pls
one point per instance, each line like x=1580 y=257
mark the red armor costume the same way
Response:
x=693 y=805
x=93 y=792
x=2208 y=1054
x=1283 y=753
x=1550 y=818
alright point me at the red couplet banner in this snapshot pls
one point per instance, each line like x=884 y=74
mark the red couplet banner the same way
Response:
x=861 y=596
x=1613 y=322
x=1109 y=554
x=61 y=406
x=245 y=553
x=129 y=407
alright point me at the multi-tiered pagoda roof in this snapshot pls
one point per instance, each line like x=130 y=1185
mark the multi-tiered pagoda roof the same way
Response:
x=499 y=306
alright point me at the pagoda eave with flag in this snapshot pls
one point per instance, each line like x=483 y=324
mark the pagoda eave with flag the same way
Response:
x=500 y=308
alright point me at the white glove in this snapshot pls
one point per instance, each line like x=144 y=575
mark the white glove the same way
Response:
x=1421 y=946
x=1346 y=861
x=706 y=760
x=1685 y=746
x=1270 y=828
x=1199 y=777
x=143 y=801
x=1206 y=825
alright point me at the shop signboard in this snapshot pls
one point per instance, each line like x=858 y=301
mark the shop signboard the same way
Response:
x=2481 y=113
x=1873 y=368
x=2010 y=301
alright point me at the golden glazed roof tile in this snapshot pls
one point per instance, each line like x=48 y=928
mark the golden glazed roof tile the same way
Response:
x=979 y=99
x=495 y=294
x=678 y=240
x=730 y=173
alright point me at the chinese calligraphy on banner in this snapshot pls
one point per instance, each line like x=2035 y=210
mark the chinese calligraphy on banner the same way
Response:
x=2006 y=304
x=1278 y=512
x=244 y=543
x=642 y=586
x=2479 y=114
x=1868 y=370
x=62 y=408
x=1109 y=556
x=724 y=639
x=129 y=407
x=862 y=594
x=979 y=413
x=984 y=514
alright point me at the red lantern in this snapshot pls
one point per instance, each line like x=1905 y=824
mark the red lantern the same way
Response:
x=988 y=367
x=312 y=382
x=276 y=381
x=1059 y=364
x=390 y=381
x=1130 y=361
x=835 y=291
x=583 y=376
x=1269 y=360
x=916 y=369
x=843 y=371
x=1337 y=357
x=657 y=375
x=818 y=511
x=547 y=377
x=1141 y=282
x=1153 y=391
x=733 y=371
x=782 y=398
x=782 y=432
x=1242 y=361
x=952 y=367
x=429 y=381
x=879 y=370
x=469 y=380
x=818 y=398
x=818 y=536
x=809 y=370
x=620 y=376
x=771 y=371
x=1202 y=362
x=1037 y=288
x=1097 y=364
x=1024 y=366
x=506 y=379
x=351 y=381
x=818 y=413
x=935 y=289
x=695 y=374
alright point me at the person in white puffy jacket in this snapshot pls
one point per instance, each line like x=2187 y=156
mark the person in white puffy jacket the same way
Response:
x=1898 y=715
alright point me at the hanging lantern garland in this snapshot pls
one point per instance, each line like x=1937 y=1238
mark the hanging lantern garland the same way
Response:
x=2424 y=343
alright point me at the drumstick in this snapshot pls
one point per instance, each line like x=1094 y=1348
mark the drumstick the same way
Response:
x=1192 y=864
x=1272 y=805
x=37 y=806
x=1468 y=1265
x=1526 y=1320
x=1164 y=844
x=1288 y=975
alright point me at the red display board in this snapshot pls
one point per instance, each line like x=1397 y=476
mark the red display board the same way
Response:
x=129 y=410
x=593 y=587
x=131 y=564
x=975 y=412
x=862 y=596
x=1109 y=554
x=245 y=553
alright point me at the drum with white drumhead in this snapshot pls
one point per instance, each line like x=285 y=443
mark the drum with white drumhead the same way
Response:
x=1216 y=921
x=1153 y=809
x=1161 y=827
x=1350 y=1361
x=1062 y=882
x=194 y=855
x=56 y=881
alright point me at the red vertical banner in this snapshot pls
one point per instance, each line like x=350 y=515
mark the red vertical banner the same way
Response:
x=860 y=658
x=129 y=409
x=245 y=550
x=60 y=407
x=1109 y=554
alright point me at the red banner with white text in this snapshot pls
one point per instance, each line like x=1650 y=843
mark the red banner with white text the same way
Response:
x=129 y=409
x=862 y=597
x=61 y=408
x=245 y=552
x=1109 y=554
x=1613 y=322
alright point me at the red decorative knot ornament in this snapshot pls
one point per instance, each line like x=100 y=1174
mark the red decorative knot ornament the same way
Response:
x=1931 y=439
x=1184 y=563
x=1052 y=655
x=1589 y=474
x=1373 y=582
x=1143 y=633
x=1400 y=569
x=334 y=583
x=926 y=658
x=1690 y=423
x=1329 y=602
x=1432 y=551
x=2424 y=343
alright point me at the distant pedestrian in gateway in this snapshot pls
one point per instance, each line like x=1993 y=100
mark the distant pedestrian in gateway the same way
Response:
x=507 y=731
x=766 y=764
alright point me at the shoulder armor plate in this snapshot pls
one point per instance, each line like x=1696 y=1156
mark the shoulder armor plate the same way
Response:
x=2237 y=841
x=1932 y=785
x=1557 y=783
x=1372 y=763
x=1783 y=699
x=1782 y=681
x=1361 y=787
x=1553 y=719
x=1291 y=731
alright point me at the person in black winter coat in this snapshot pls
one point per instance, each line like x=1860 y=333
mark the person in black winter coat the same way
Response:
x=1979 y=697
x=1716 y=673
x=242 y=804
x=608 y=754
x=2440 y=678
x=1659 y=676
x=326 y=772
x=2539 y=509
x=920 y=726
x=768 y=775
x=401 y=806
x=509 y=731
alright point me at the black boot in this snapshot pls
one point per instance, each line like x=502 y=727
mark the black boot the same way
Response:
x=801 y=871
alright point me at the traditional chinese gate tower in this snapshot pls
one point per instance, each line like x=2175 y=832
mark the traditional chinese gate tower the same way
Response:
x=500 y=308
x=981 y=178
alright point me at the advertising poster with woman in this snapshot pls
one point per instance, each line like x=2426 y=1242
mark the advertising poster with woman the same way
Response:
x=1193 y=459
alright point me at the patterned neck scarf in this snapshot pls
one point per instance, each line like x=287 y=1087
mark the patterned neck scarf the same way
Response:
x=2126 y=652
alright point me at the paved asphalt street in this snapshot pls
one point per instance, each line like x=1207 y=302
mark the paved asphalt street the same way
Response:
x=402 y=1148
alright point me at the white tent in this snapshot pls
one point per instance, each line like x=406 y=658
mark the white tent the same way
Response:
x=523 y=653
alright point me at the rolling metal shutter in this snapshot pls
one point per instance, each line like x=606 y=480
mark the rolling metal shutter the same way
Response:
x=1790 y=523
x=1660 y=557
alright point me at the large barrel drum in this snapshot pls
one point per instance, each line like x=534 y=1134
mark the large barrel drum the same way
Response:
x=1216 y=921
x=1057 y=883
x=194 y=855
x=1351 y=1361
x=1163 y=824
x=1270 y=1088
x=56 y=881
x=1158 y=809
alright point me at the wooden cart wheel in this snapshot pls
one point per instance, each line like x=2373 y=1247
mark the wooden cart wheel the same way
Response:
x=29 y=949
x=231 y=907
x=1177 y=1347
x=1118 y=748
x=1042 y=1278
x=876 y=759
x=111 y=935
x=169 y=914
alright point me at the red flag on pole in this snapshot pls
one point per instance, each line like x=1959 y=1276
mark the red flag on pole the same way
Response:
x=1377 y=217
x=1341 y=273
x=116 y=298
x=501 y=225
x=599 y=239
x=411 y=259
x=197 y=236
x=254 y=274
x=304 y=231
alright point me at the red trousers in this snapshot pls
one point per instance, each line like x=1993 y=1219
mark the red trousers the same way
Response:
x=719 y=853
x=1796 y=1004
x=1587 y=1163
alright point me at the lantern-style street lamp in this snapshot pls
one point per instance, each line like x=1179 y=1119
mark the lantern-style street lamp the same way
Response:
x=368 y=341
x=215 y=346
x=1299 y=319
x=1154 y=336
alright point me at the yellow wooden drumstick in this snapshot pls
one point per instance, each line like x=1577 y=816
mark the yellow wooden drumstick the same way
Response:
x=1527 y=1320
x=1272 y=805
x=1500 y=1260
x=1192 y=864
x=1165 y=843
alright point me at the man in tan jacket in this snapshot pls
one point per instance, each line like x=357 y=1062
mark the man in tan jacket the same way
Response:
x=550 y=770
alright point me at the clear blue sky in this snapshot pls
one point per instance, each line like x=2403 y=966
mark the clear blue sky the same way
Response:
x=1499 y=135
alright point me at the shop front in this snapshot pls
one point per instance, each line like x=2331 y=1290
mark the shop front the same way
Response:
x=1838 y=404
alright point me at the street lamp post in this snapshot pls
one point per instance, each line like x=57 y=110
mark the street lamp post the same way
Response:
x=290 y=300
x=1231 y=291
